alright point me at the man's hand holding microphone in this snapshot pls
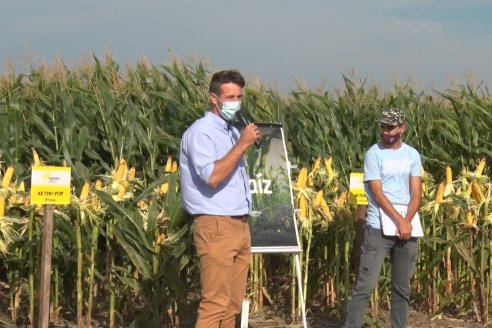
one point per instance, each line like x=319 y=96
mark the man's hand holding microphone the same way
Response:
x=251 y=133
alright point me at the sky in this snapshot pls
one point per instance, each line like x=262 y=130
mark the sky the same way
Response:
x=431 y=44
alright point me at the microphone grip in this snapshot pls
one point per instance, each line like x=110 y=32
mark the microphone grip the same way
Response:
x=244 y=120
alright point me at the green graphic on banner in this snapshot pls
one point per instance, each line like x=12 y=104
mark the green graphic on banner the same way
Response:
x=273 y=225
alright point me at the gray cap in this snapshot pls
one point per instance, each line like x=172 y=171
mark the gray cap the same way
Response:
x=392 y=116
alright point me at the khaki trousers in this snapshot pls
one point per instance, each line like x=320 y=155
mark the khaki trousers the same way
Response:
x=223 y=244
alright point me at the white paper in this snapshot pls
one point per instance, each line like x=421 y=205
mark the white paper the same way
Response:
x=389 y=227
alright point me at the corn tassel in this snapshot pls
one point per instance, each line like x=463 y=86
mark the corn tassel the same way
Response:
x=8 y=176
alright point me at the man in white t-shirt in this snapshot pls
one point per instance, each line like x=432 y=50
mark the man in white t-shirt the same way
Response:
x=392 y=176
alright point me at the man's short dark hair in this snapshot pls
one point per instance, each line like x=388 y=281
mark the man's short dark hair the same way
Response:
x=224 y=77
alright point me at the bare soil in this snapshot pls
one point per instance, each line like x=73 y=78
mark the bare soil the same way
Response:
x=266 y=319
x=416 y=320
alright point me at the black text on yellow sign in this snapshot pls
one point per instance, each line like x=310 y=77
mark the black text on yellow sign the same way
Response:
x=50 y=185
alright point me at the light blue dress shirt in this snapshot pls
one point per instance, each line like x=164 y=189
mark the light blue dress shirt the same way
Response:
x=206 y=141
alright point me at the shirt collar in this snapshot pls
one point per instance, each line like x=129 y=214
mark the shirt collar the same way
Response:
x=217 y=120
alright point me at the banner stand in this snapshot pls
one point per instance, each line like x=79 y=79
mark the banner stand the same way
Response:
x=272 y=223
x=245 y=307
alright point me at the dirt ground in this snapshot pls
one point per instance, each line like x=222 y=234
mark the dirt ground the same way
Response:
x=271 y=319
x=416 y=320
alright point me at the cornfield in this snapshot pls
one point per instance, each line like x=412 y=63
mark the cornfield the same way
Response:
x=122 y=249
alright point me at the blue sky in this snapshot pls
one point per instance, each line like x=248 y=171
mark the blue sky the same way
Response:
x=431 y=43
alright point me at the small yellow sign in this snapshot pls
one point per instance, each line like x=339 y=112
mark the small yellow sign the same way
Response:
x=357 y=194
x=50 y=185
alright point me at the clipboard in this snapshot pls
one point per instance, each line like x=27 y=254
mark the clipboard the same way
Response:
x=389 y=227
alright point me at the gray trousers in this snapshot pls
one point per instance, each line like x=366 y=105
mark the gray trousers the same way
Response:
x=374 y=249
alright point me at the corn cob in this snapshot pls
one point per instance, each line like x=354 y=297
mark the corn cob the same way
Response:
x=469 y=218
x=476 y=192
x=160 y=238
x=329 y=169
x=8 y=176
x=121 y=171
x=13 y=196
x=98 y=185
x=488 y=218
x=449 y=175
x=480 y=168
x=325 y=209
x=164 y=188
x=174 y=167
x=302 y=178
x=302 y=207
x=35 y=157
x=440 y=193
x=85 y=191
x=142 y=204
x=121 y=191
x=2 y=206
x=169 y=164
x=131 y=174
x=318 y=198
x=469 y=190
x=342 y=199
x=317 y=164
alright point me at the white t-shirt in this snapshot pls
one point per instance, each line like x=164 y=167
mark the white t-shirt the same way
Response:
x=393 y=167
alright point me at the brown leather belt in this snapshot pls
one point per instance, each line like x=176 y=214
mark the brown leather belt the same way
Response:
x=243 y=218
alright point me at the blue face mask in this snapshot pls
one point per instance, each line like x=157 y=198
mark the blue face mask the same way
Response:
x=229 y=109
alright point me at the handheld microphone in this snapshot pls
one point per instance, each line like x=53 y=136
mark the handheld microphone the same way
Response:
x=240 y=116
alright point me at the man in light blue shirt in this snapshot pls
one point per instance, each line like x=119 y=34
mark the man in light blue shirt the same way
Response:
x=215 y=190
x=392 y=180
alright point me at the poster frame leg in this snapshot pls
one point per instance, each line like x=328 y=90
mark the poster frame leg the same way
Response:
x=245 y=314
x=301 y=294
x=245 y=306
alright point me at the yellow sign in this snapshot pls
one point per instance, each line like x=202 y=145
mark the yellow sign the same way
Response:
x=50 y=185
x=357 y=194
